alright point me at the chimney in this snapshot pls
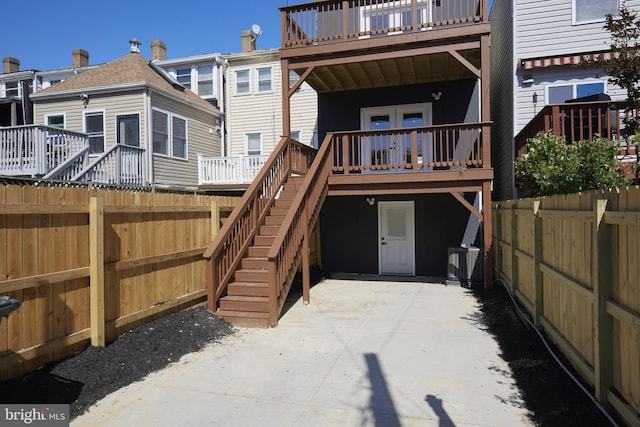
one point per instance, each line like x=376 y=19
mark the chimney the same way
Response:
x=158 y=50
x=134 y=45
x=80 y=58
x=10 y=65
x=248 y=41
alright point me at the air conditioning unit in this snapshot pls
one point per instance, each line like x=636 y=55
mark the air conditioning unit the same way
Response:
x=464 y=267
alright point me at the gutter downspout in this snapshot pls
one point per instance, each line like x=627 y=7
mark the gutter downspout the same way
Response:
x=149 y=121
x=223 y=64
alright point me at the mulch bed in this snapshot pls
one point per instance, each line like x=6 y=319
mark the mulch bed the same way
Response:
x=552 y=398
x=94 y=373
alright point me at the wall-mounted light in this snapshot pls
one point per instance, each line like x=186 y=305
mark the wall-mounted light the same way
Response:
x=85 y=99
x=371 y=200
x=534 y=97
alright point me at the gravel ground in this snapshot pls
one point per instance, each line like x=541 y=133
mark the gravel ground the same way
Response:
x=551 y=397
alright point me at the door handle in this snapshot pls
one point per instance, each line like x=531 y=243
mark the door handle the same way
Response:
x=383 y=243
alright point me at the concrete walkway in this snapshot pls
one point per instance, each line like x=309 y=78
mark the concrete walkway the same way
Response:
x=361 y=354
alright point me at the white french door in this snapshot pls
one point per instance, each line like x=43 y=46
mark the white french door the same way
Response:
x=382 y=149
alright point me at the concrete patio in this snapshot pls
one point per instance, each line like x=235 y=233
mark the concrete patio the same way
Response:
x=363 y=353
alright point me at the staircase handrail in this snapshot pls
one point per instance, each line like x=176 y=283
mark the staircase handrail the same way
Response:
x=67 y=169
x=236 y=235
x=287 y=249
x=117 y=174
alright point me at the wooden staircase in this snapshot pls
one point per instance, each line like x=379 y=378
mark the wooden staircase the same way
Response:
x=247 y=300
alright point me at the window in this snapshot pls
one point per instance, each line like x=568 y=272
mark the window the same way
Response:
x=55 y=121
x=183 y=75
x=12 y=90
x=242 y=82
x=205 y=80
x=160 y=133
x=254 y=143
x=593 y=10
x=562 y=93
x=169 y=135
x=128 y=132
x=295 y=134
x=293 y=78
x=264 y=79
x=94 y=128
x=179 y=137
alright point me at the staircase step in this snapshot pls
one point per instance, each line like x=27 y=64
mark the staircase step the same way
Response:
x=269 y=230
x=245 y=319
x=274 y=220
x=249 y=289
x=258 y=251
x=244 y=303
x=283 y=203
x=278 y=211
x=260 y=263
x=263 y=240
x=252 y=275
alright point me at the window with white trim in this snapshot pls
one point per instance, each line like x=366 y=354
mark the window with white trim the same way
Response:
x=55 y=120
x=205 y=80
x=178 y=137
x=169 y=135
x=243 y=85
x=593 y=10
x=94 y=128
x=264 y=79
x=253 y=142
x=559 y=94
x=296 y=134
x=12 y=89
x=183 y=75
x=128 y=129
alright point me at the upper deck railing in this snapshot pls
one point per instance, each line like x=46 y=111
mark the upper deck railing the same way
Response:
x=329 y=21
x=576 y=122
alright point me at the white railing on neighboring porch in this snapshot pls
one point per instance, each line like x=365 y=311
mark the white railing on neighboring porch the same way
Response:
x=229 y=170
x=35 y=150
x=121 y=165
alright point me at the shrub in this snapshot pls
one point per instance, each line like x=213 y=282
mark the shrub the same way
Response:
x=551 y=166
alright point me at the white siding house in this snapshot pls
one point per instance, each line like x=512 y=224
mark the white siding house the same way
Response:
x=132 y=104
x=536 y=54
x=254 y=112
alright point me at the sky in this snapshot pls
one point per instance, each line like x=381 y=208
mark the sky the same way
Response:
x=45 y=39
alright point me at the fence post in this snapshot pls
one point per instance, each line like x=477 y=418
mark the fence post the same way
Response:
x=514 y=246
x=538 y=303
x=498 y=247
x=215 y=218
x=96 y=271
x=603 y=330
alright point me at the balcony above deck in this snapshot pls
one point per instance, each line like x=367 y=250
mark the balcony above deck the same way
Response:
x=359 y=44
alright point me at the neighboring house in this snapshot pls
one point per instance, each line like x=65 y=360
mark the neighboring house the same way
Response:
x=253 y=115
x=139 y=121
x=401 y=181
x=16 y=86
x=538 y=53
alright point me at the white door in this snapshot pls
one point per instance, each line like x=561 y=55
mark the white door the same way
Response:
x=396 y=248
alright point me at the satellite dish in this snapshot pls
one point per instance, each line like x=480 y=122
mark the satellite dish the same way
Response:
x=257 y=30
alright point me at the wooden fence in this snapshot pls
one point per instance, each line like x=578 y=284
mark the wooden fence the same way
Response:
x=88 y=264
x=573 y=262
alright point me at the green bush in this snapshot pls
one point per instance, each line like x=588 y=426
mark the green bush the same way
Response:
x=551 y=166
